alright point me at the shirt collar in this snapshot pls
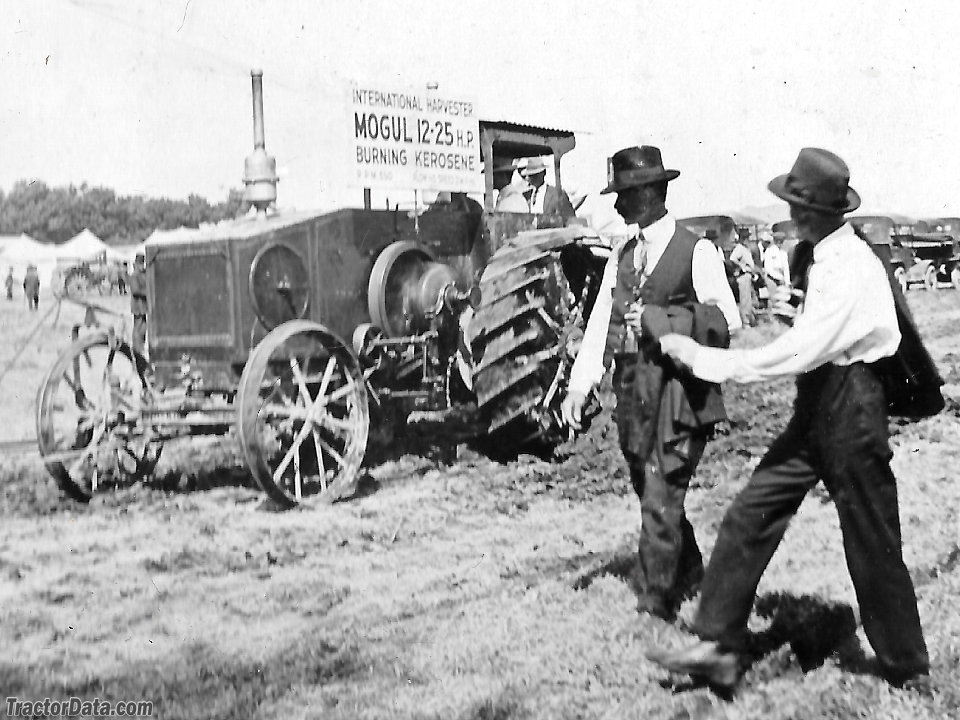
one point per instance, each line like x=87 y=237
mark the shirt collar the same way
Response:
x=832 y=243
x=660 y=232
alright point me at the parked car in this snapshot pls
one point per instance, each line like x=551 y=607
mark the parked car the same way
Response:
x=887 y=233
x=941 y=245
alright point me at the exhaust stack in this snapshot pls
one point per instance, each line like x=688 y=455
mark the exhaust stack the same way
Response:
x=260 y=169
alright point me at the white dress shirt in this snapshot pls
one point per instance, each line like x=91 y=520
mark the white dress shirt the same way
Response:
x=775 y=264
x=848 y=316
x=709 y=284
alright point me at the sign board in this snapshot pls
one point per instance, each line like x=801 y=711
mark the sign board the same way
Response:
x=413 y=140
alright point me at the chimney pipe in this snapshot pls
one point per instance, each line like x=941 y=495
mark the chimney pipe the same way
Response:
x=260 y=169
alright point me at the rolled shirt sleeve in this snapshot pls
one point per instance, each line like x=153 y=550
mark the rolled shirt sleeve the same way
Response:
x=848 y=316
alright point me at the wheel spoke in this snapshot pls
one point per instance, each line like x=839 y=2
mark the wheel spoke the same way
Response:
x=338 y=458
x=330 y=421
x=291 y=451
x=297 y=483
x=320 y=465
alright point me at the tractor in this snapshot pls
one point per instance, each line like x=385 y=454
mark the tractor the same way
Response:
x=321 y=338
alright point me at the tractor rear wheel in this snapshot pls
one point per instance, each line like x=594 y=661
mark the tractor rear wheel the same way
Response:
x=302 y=414
x=519 y=338
x=955 y=277
x=930 y=281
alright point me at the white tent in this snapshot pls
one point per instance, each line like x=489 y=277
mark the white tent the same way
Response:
x=84 y=246
x=18 y=251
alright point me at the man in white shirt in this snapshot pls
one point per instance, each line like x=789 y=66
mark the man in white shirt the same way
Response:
x=542 y=197
x=664 y=270
x=742 y=260
x=838 y=434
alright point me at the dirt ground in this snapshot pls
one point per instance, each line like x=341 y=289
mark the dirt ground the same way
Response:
x=474 y=590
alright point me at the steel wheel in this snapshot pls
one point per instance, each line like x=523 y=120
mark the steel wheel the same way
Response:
x=930 y=281
x=955 y=277
x=302 y=415
x=89 y=417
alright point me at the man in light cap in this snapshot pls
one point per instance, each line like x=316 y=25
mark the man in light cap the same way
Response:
x=665 y=279
x=838 y=434
x=542 y=197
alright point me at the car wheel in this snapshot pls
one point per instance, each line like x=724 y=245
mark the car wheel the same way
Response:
x=901 y=276
x=930 y=281
x=955 y=277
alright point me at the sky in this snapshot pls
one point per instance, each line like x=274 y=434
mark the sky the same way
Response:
x=154 y=97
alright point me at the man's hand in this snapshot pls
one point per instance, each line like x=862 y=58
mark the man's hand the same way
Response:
x=571 y=409
x=680 y=348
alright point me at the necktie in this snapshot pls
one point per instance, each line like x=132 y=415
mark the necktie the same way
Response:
x=640 y=260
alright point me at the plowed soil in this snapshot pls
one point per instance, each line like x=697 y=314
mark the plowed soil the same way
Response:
x=466 y=590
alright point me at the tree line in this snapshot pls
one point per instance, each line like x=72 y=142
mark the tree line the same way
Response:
x=56 y=214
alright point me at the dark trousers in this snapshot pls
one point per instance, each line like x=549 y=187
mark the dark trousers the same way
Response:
x=139 y=333
x=838 y=434
x=668 y=558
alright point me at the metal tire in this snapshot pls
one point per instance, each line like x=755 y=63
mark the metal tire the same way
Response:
x=930 y=281
x=294 y=449
x=955 y=277
x=94 y=446
x=517 y=338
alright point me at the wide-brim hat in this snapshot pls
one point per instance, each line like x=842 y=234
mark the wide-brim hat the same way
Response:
x=819 y=180
x=634 y=166
x=503 y=164
x=534 y=166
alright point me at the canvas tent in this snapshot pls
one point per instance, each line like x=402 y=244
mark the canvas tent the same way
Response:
x=18 y=251
x=84 y=246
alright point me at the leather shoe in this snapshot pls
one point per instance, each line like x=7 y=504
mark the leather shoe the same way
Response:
x=706 y=659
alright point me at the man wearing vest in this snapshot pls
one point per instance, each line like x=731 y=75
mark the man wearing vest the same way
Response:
x=838 y=434
x=665 y=280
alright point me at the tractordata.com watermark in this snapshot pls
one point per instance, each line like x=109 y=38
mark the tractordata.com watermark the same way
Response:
x=77 y=707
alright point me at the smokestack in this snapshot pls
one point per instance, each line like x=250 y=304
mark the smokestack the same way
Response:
x=260 y=169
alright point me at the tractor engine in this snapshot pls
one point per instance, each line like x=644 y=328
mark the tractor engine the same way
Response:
x=410 y=349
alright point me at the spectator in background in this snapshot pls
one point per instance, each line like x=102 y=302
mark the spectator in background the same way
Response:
x=744 y=271
x=510 y=196
x=542 y=197
x=10 y=284
x=31 y=287
x=138 y=303
x=776 y=268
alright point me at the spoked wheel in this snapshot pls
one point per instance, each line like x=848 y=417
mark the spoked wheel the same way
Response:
x=955 y=277
x=930 y=281
x=89 y=417
x=302 y=414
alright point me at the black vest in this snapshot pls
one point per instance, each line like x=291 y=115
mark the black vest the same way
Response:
x=670 y=283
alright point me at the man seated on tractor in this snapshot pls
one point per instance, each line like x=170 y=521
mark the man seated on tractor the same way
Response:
x=543 y=198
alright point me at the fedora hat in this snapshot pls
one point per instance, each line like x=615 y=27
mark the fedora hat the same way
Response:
x=818 y=180
x=635 y=166
x=534 y=166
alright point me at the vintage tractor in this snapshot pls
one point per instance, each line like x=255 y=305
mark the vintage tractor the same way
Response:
x=320 y=336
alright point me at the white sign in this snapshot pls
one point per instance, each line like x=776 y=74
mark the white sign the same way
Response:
x=413 y=140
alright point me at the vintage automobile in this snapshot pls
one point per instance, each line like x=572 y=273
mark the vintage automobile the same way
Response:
x=320 y=338
x=940 y=243
x=887 y=234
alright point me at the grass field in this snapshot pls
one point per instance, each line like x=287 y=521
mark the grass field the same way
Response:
x=469 y=591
